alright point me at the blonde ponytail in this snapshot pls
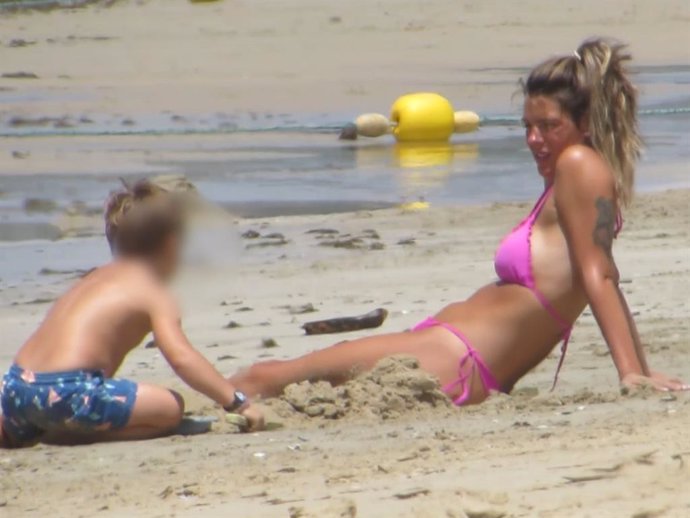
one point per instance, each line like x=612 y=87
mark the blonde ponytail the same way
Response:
x=612 y=111
x=593 y=83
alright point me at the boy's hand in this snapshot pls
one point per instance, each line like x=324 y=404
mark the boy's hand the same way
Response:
x=254 y=416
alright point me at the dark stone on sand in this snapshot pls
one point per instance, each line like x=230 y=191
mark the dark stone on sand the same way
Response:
x=18 y=43
x=91 y=38
x=264 y=244
x=51 y=271
x=232 y=325
x=39 y=205
x=370 y=233
x=226 y=357
x=275 y=235
x=323 y=231
x=244 y=309
x=128 y=122
x=40 y=300
x=19 y=75
x=251 y=234
x=63 y=123
x=412 y=493
x=20 y=155
x=19 y=122
x=151 y=345
x=354 y=243
x=349 y=132
x=408 y=241
x=269 y=343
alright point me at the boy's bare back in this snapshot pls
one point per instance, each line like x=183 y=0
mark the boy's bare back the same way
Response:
x=96 y=323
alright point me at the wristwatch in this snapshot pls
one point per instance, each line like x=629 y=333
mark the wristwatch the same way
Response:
x=240 y=400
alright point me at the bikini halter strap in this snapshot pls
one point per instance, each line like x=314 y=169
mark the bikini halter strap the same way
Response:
x=540 y=202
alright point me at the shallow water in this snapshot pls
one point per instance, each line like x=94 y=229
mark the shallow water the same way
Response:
x=270 y=174
x=274 y=164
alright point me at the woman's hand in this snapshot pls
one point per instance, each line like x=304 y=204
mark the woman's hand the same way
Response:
x=655 y=380
x=671 y=383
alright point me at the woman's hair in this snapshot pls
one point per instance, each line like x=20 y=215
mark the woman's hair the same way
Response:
x=593 y=82
x=140 y=217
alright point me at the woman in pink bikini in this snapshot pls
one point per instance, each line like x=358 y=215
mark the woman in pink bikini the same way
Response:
x=581 y=126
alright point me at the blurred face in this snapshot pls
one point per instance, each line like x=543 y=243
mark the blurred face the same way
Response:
x=168 y=259
x=548 y=131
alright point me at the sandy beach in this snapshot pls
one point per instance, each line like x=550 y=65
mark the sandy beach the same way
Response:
x=582 y=450
x=392 y=448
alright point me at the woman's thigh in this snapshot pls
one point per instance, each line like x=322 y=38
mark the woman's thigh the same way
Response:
x=437 y=350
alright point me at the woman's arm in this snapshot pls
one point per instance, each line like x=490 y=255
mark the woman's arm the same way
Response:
x=585 y=199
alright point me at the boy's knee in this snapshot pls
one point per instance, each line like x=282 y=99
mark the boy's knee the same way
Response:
x=179 y=400
x=177 y=410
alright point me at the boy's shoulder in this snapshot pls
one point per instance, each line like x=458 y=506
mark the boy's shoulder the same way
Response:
x=134 y=276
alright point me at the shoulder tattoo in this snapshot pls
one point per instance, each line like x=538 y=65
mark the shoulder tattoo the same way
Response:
x=604 y=228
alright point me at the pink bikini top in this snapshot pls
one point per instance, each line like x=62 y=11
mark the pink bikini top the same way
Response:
x=513 y=264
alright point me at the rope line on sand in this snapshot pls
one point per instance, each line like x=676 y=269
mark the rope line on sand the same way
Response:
x=491 y=120
x=17 y=5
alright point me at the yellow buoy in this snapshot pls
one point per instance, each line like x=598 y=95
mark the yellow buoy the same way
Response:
x=422 y=117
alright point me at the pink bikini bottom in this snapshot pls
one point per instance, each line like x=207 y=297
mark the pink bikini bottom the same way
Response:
x=464 y=375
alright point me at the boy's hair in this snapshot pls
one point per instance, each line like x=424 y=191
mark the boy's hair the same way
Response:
x=140 y=217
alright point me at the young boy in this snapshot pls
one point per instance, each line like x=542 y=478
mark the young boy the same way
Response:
x=61 y=387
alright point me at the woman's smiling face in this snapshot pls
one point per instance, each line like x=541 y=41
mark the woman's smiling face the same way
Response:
x=548 y=131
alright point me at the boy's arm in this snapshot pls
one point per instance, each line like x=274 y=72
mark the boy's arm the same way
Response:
x=190 y=365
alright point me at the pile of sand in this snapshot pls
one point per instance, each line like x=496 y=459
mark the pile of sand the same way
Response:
x=395 y=387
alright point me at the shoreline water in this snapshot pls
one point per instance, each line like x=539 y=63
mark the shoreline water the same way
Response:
x=255 y=175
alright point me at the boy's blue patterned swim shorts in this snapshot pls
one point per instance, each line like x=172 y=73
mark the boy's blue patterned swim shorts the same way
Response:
x=79 y=401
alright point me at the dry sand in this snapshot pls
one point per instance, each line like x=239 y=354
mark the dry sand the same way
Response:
x=583 y=450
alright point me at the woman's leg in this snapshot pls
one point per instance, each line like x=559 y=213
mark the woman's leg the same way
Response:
x=437 y=350
x=157 y=412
